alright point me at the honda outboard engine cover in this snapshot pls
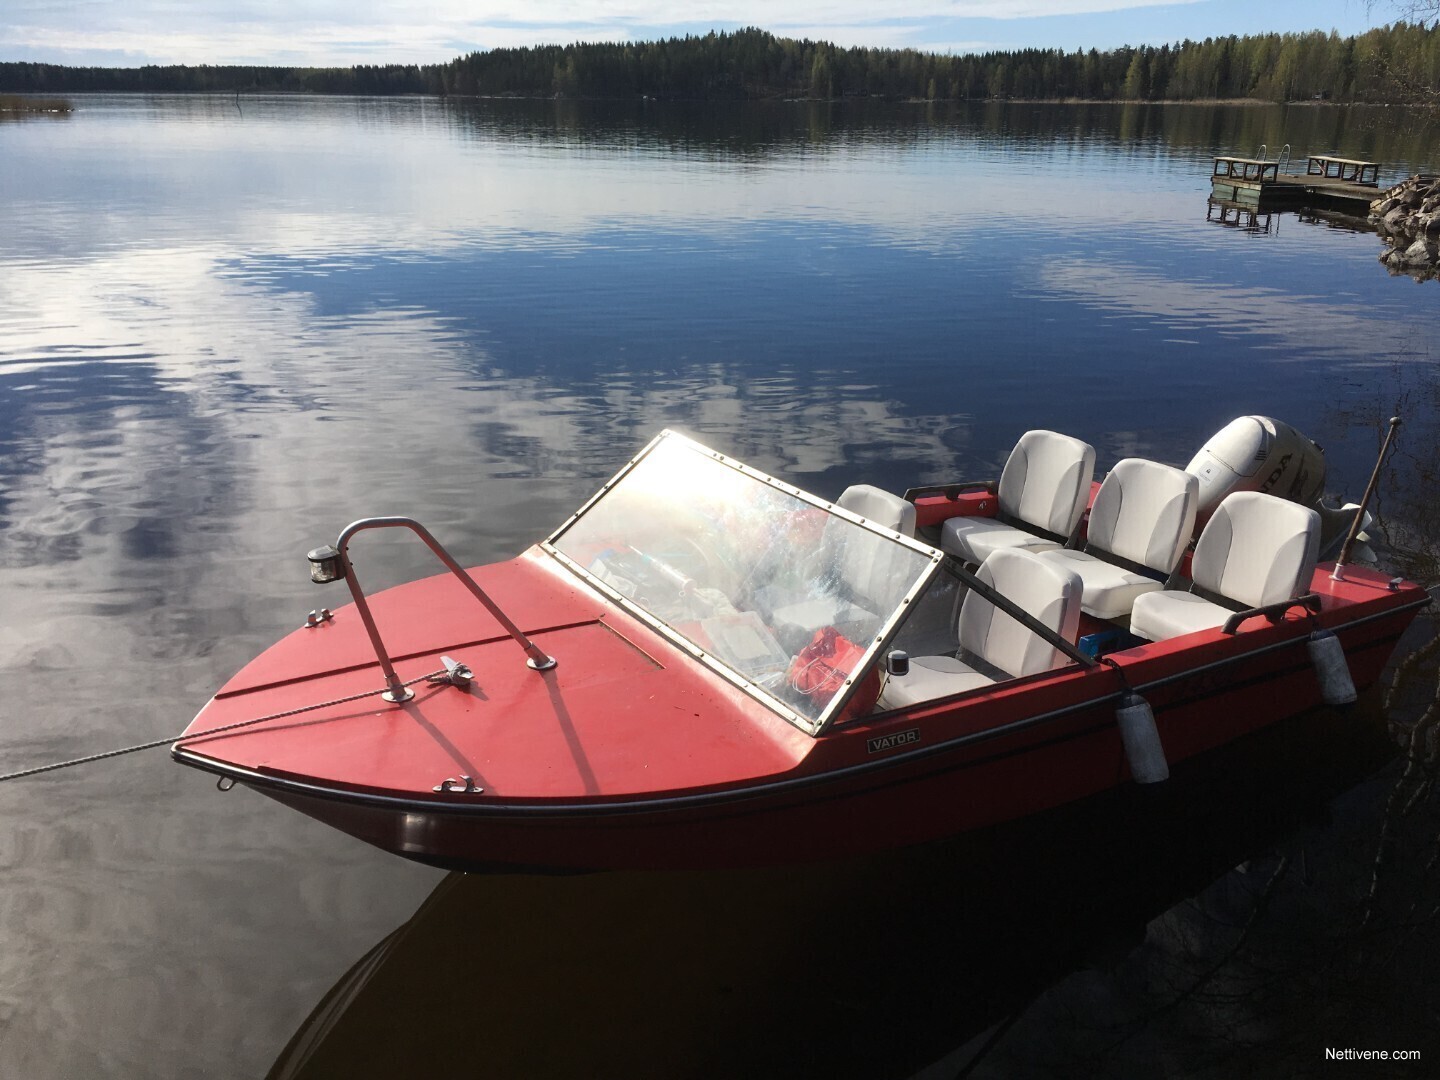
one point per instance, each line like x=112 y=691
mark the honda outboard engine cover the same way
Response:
x=1258 y=453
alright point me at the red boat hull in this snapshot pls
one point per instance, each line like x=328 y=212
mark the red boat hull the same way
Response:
x=889 y=780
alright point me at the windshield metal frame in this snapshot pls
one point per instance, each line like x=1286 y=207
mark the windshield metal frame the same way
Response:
x=887 y=630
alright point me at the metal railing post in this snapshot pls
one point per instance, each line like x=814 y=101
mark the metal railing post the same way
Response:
x=537 y=658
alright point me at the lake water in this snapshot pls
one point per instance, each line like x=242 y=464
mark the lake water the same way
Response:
x=229 y=327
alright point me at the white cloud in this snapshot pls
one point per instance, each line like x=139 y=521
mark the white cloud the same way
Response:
x=868 y=35
x=960 y=48
x=410 y=31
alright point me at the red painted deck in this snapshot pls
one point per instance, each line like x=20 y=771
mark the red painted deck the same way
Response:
x=621 y=713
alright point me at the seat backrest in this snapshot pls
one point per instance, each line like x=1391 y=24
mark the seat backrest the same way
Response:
x=1257 y=549
x=1144 y=513
x=879 y=506
x=1046 y=481
x=867 y=568
x=1037 y=586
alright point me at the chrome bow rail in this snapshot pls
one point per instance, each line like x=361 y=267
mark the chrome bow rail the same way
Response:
x=328 y=564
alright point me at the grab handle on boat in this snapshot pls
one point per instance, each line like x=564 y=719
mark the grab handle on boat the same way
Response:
x=1309 y=601
x=395 y=690
x=950 y=491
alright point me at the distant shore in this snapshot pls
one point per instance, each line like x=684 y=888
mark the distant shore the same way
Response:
x=29 y=103
x=1387 y=64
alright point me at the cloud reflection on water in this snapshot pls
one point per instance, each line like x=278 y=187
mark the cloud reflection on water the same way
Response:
x=1304 y=326
x=225 y=332
x=224 y=416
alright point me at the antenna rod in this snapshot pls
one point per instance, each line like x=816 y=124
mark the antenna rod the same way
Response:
x=1339 y=572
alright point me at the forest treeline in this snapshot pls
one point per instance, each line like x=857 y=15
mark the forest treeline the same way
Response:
x=1397 y=63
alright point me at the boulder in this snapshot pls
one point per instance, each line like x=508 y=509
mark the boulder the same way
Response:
x=1408 y=217
x=1421 y=253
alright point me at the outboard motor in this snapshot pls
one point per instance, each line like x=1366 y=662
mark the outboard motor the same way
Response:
x=1258 y=453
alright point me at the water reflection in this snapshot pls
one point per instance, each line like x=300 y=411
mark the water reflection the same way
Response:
x=225 y=332
x=759 y=132
x=281 y=176
x=1334 y=219
x=1240 y=322
x=1246 y=219
x=869 y=969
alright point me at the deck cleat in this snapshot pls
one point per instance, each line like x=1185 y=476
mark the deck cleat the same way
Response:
x=456 y=674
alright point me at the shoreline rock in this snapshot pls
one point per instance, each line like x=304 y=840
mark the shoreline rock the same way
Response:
x=1407 y=217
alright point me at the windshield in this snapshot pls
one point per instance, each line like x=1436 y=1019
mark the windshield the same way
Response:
x=781 y=594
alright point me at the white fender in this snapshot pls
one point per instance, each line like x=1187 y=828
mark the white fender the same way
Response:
x=1328 y=658
x=1142 y=742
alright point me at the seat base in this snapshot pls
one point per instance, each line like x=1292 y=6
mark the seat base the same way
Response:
x=1166 y=614
x=930 y=677
x=1110 y=591
x=973 y=538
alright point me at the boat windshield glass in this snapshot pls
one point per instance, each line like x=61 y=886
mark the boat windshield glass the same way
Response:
x=785 y=597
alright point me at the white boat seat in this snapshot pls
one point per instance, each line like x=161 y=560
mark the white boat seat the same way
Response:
x=931 y=677
x=1110 y=590
x=866 y=568
x=879 y=507
x=974 y=538
x=1140 y=524
x=1256 y=550
x=1042 y=493
x=994 y=646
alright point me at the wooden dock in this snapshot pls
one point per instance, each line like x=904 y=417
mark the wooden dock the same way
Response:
x=1328 y=182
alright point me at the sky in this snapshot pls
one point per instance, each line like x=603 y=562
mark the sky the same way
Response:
x=126 y=33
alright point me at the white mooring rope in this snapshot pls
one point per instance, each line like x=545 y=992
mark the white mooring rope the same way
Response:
x=53 y=766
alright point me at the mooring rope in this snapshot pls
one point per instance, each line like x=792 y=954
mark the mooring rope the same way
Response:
x=53 y=766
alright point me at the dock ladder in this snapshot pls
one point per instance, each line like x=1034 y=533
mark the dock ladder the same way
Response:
x=1282 y=160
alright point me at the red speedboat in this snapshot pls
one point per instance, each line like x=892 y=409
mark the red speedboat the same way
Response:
x=706 y=666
